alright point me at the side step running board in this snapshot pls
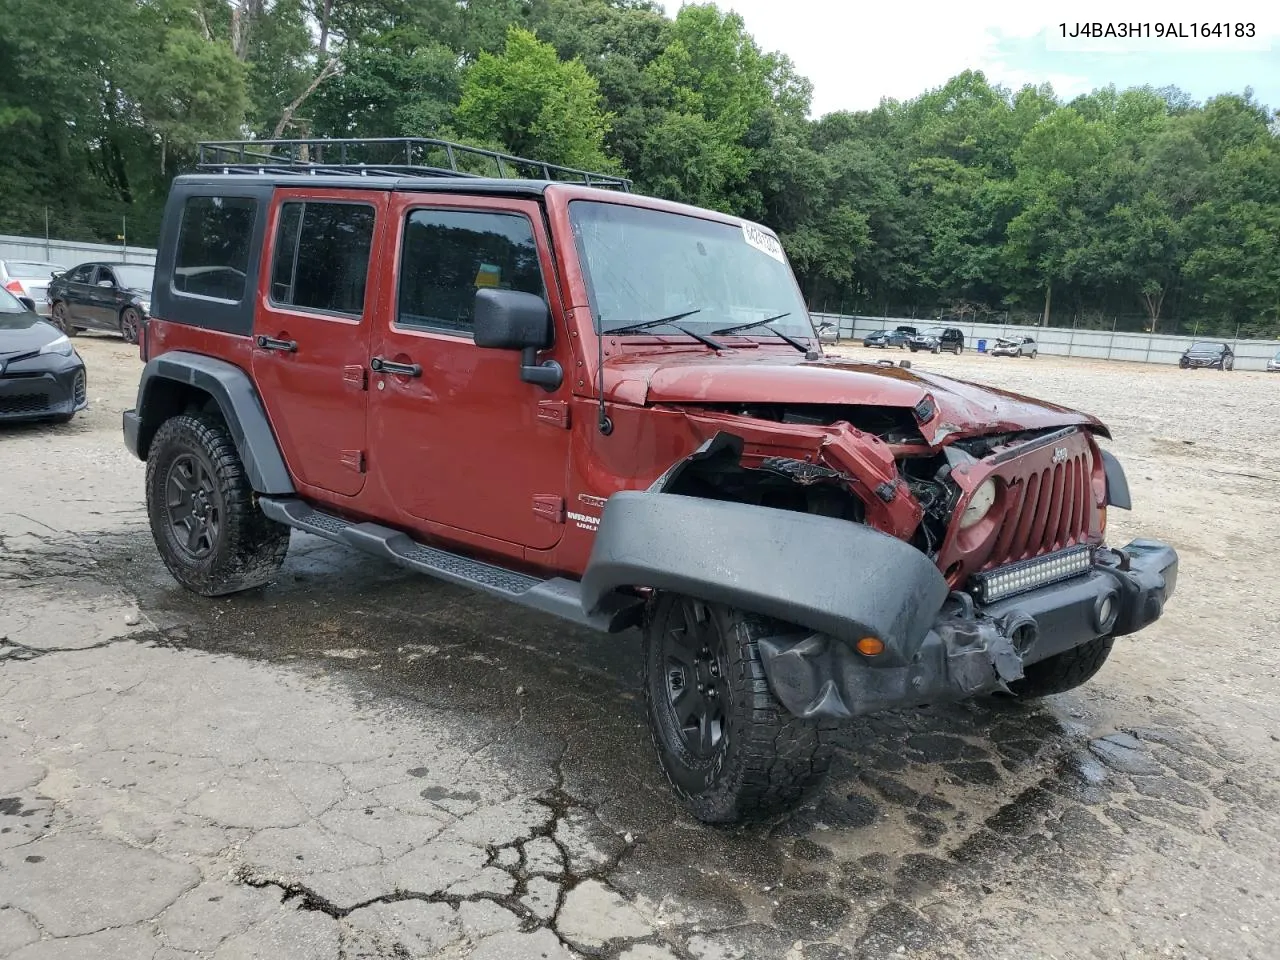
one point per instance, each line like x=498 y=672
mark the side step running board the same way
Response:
x=558 y=596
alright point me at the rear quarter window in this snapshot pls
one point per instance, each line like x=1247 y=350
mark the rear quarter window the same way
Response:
x=212 y=256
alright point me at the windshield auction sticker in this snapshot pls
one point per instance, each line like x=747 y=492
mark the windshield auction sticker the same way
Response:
x=764 y=242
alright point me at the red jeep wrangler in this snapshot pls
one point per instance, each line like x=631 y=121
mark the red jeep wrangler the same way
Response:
x=614 y=409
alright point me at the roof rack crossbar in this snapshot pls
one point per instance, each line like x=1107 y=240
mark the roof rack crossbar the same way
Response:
x=395 y=156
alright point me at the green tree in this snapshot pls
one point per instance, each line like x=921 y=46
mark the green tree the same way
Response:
x=536 y=104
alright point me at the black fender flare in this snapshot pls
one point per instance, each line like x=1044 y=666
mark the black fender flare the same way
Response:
x=238 y=402
x=1117 y=482
x=821 y=573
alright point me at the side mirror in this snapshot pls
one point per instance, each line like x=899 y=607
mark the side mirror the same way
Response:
x=28 y=303
x=106 y=283
x=512 y=320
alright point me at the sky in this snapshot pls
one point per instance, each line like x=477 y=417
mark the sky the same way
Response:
x=857 y=53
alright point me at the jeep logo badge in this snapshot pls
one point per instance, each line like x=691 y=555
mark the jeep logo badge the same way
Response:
x=1059 y=454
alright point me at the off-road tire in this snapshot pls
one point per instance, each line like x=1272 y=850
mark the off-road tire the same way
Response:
x=58 y=317
x=766 y=758
x=130 y=324
x=249 y=548
x=1063 y=672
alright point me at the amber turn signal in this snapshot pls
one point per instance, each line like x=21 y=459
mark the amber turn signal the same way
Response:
x=870 y=646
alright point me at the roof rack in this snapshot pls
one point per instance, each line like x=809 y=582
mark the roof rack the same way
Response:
x=386 y=156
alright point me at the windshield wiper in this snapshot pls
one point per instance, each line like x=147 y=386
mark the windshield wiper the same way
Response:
x=646 y=324
x=803 y=348
x=670 y=322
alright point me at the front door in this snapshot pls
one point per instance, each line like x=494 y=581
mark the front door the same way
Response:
x=456 y=438
x=311 y=332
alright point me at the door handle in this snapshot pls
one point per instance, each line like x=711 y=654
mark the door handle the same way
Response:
x=379 y=365
x=271 y=343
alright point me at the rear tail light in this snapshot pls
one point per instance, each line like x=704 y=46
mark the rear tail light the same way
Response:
x=15 y=287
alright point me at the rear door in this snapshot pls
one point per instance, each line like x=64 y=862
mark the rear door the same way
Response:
x=76 y=298
x=461 y=441
x=311 y=327
x=101 y=305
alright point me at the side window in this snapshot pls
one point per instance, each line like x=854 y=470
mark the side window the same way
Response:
x=104 y=273
x=213 y=247
x=448 y=255
x=322 y=256
x=82 y=273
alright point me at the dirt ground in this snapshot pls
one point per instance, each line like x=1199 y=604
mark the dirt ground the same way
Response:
x=360 y=762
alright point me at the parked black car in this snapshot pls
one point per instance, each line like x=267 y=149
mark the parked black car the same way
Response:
x=102 y=296
x=1015 y=347
x=897 y=337
x=938 y=339
x=1208 y=354
x=41 y=375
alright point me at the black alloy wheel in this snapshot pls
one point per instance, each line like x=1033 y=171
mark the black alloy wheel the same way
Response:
x=694 y=657
x=194 y=506
x=59 y=317
x=130 y=324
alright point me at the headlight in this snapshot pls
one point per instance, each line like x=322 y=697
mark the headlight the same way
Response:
x=980 y=504
x=61 y=346
x=145 y=305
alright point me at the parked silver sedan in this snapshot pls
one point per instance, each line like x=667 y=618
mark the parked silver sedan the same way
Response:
x=30 y=278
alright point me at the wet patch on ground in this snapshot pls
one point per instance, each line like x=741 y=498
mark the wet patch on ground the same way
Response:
x=938 y=833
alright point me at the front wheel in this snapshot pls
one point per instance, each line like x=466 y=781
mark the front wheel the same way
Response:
x=206 y=525
x=937 y=349
x=130 y=324
x=729 y=749
x=1228 y=363
x=1063 y=672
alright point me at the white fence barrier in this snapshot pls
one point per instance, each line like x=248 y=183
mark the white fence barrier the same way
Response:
x=69 y=253
x=1069 y=342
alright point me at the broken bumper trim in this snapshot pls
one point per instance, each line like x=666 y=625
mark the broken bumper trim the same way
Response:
x=971 y=649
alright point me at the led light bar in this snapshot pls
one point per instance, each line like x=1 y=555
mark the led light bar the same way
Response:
x=1031 y=574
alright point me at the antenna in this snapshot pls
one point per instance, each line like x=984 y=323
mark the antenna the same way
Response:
x=604 y=423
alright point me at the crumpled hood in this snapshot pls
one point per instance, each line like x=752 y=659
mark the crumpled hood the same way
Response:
x=766 y=376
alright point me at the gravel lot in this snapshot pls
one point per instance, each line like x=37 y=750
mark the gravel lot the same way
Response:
x=359 y=762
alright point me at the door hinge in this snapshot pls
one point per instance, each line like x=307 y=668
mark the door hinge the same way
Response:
x=549 y=507
x=554 y=411
x=353 y=460
x=356 y=376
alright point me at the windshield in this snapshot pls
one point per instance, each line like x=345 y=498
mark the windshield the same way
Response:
x=10 y=304
x=644 y=264
x=33 y=268
x=134 y=278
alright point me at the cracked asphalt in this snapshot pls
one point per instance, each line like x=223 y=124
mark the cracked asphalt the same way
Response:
x=357 y=762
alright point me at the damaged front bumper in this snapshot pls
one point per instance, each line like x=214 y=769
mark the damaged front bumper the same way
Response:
x=974 y=649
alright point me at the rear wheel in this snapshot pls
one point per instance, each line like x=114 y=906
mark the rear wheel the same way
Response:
x=937 y=348
x=58 y=314
x=206 y=525
x=130 y=324
x=1063 y=672
x=729 y=749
